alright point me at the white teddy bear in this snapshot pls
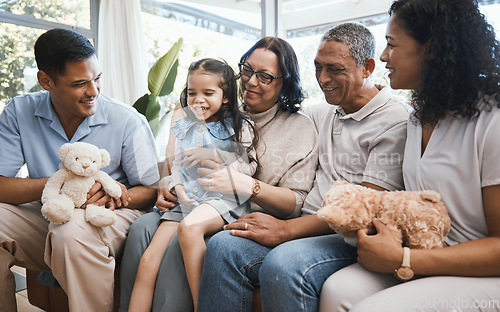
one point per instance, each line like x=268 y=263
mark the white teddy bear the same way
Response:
x=68 y=187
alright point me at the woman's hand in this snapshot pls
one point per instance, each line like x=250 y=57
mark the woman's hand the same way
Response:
x=223 y=179
x=379 y=252
x=259 y=227
x=196 y=155
x=182 y=195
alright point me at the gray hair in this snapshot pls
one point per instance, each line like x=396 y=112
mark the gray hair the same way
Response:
x=357 y=37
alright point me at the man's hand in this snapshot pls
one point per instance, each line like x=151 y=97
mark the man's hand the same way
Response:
x=98 y=196
x=261 y=228
x=196 y=155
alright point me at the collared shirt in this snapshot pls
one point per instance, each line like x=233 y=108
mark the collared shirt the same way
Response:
x=30 y=133
x=364 y=146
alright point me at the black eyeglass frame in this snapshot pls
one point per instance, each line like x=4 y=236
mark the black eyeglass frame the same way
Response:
x=257 y=73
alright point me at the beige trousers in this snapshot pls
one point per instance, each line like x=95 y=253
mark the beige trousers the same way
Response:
x=80 y=255
x=355 y=289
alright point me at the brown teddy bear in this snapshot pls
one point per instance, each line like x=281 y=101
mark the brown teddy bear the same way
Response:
x=416 y=219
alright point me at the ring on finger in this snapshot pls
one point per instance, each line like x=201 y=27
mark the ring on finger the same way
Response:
x=246 y=226
x=209 y=182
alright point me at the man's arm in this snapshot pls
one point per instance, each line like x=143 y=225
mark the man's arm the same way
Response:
x=136 y=197
x=141 y=197
x=269 y=231
x=21 y=190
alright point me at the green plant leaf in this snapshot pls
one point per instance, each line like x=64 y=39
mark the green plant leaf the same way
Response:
x=168 y=85
x=153 y=108
x=141 y=105
x=160 y=70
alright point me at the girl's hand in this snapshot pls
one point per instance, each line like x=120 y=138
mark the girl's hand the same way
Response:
x=196 y=155
x=379 y=252
x=223 y=179
x=165 y=199
x=182 y=195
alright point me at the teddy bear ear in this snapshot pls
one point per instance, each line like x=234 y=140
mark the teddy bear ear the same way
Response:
x=64 y=150
x=431 y=196
x=105 y=158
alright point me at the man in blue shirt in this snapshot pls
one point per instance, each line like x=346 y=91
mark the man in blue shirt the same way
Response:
x=81 y=256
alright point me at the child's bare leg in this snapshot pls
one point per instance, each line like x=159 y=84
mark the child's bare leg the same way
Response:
x=203 y=220
x=141 y=298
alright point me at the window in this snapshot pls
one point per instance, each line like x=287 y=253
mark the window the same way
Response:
x=21 y=22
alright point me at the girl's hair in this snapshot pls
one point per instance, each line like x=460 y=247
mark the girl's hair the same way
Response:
x=291 y=95
x=228 y=84
x=464 y=64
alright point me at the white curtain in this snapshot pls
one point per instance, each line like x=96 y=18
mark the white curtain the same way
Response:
x=121 y=50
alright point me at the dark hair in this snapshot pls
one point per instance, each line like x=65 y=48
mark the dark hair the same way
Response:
x=465 y=62
x=229 y=88
x=57 y=46
x=291 y=95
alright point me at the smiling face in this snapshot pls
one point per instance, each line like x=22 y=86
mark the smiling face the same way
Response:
x=74 y=93
x=338 y=74
x=258 y=96
x=204 y=96
x=404 y=56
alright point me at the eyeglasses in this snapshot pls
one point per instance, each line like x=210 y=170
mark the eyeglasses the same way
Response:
x=262 y=76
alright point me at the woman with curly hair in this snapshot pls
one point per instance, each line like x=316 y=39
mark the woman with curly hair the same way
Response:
x=446 y=52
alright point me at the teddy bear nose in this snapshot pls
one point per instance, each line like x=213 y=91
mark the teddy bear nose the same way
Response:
x=85 y=166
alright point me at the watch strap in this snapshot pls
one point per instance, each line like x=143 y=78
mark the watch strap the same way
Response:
x=406 y=257
x=404 y=273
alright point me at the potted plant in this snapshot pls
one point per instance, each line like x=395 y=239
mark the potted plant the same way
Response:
x=161 y=79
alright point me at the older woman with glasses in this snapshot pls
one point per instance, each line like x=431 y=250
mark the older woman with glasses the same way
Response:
x=272 y=96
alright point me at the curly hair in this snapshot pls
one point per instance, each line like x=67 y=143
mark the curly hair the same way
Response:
x=465 y=63
x=291 y=95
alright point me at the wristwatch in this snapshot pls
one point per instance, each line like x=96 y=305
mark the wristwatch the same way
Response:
x=404 y=273
x=255 y=188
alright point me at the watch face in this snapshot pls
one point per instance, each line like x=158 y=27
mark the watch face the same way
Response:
x=404 y=274
x=256 y=188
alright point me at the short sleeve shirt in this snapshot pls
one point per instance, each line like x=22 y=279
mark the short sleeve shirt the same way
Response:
x=461 y=157
x=364 y=146
x=31 y=134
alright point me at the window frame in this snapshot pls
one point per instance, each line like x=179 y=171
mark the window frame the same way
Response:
x=33 y=22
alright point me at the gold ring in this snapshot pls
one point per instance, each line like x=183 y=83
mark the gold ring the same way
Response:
x=209 y=182
x=246 y=226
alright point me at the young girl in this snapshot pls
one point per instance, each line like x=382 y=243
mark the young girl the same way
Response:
x=214 y=129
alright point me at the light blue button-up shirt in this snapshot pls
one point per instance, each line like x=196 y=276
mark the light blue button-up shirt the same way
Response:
x=30 y=133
